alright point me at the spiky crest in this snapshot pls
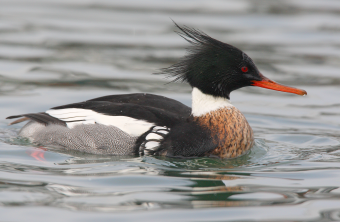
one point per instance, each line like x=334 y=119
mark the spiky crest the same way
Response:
x=201 y=43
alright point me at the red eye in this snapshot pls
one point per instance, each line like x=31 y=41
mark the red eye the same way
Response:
x=244 y=69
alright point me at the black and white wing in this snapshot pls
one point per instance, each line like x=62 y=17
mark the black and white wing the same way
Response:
x=150 y=100
x=125 y=112
x=140 y=121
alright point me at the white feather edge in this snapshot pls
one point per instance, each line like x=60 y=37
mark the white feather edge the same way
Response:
x=133 y=127
x=203 y=104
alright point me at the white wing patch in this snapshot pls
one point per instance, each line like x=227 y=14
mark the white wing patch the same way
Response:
x=74 y=116
x=153 y=140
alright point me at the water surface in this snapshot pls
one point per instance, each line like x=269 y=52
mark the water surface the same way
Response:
x=59 y=52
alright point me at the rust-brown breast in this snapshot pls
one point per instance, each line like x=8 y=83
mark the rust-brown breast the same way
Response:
x=229 y=130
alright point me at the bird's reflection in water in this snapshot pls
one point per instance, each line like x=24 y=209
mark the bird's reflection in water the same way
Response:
x=166 y=183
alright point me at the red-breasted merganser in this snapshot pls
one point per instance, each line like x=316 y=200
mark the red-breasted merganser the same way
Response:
x=147 y=124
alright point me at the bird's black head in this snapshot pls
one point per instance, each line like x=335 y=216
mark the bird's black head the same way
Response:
x=214 y=67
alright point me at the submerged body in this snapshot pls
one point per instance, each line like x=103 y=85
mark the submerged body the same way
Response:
x=147 y=124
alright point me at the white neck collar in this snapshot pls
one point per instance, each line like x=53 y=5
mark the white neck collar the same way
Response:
x=204 y=103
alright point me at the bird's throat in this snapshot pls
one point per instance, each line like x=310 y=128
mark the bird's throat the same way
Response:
x=203 y=104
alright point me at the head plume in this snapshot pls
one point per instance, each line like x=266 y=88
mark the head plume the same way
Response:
x=210 y=65
x=201 y=46
x=217 y=68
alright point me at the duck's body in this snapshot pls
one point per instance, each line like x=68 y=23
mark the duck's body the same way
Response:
x=143 y=123
x=148 y=124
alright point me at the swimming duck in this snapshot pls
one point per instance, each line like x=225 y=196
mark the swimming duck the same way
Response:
x=146 y=124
